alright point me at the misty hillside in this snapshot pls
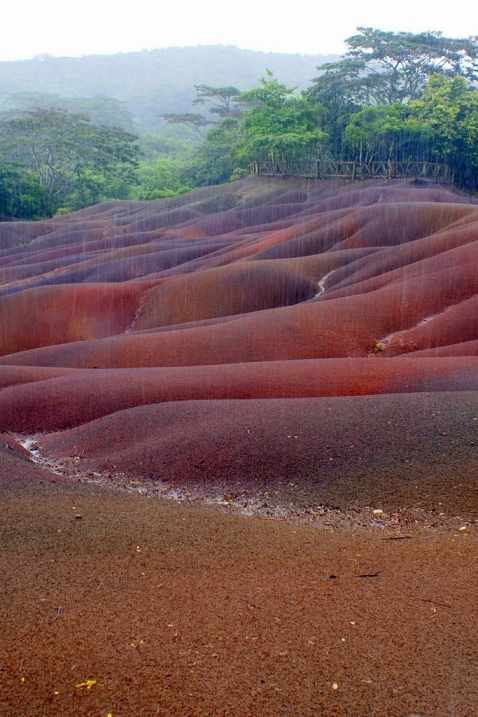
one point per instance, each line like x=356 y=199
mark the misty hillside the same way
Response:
x=154 y=82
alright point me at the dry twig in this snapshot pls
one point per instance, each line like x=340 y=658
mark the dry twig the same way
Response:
x=58 y=613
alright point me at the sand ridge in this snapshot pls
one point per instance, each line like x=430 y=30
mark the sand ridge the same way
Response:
x=279 y=379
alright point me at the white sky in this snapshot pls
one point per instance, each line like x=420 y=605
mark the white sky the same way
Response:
x=59 y=28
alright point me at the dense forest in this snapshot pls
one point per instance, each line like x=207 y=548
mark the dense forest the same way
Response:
x=79 y=139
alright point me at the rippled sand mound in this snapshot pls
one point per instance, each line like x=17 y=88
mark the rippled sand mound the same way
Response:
x=284 y=293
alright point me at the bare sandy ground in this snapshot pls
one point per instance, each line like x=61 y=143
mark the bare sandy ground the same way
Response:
x=126 y=605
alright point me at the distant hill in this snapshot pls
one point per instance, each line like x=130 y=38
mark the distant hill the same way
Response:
x=154 y=82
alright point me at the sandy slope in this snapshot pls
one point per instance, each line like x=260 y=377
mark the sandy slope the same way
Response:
x=302 y=350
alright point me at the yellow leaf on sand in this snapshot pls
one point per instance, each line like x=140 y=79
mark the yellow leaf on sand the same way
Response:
x=88 y=684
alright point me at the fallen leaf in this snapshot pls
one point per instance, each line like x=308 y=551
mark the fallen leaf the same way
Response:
x=88 y=684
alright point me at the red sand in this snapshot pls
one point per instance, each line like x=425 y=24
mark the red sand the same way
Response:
x=283 y=293
x=299 y=349
x=269 y=290
x=297 y=289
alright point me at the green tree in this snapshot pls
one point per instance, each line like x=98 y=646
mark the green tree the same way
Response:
x=155 y=146
x=279 y=125
x=449 y=107
x=333 y=106
x=194 y=120
x=218 y=101
x=387 y=132
x=66 y=150
x=101 y=109
x=221 y=101
x=388 y=67
x=214 y=162
x=165 y=177
x=21 y=195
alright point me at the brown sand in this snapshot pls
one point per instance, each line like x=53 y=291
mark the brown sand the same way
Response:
x=125 y=605
x=260 y=404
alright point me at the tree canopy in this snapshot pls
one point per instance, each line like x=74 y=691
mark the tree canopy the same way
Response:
x=387 y=132
x=21 y=195
x=388 y=67
x=449 y=108
x=221 y=101
x=393 y=96
x=279 y=125
x=66 y=151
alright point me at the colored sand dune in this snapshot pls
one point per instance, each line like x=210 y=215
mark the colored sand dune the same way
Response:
x=267 y=330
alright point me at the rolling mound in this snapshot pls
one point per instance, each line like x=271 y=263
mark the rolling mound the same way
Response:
x=313 y=336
